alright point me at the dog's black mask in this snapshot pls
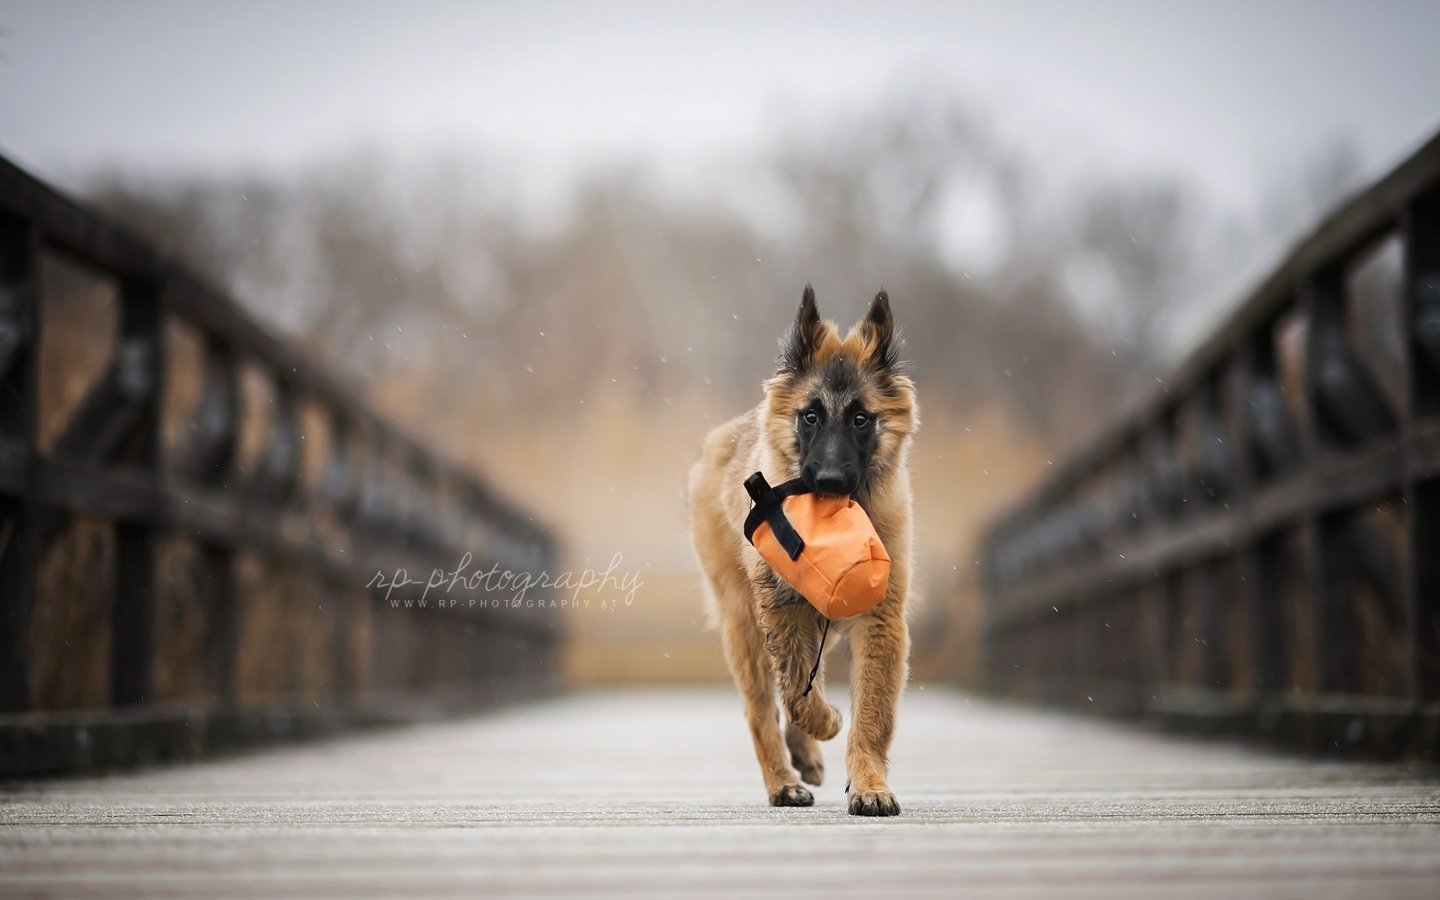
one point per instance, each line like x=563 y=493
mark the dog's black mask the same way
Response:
x=835 y=433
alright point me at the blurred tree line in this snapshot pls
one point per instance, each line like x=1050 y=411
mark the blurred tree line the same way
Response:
x=578 y=356
x=1051 y=297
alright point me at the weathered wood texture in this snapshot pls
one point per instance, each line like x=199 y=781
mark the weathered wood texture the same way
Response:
x=1254 y=546
x=656 y=794
x=254 y=463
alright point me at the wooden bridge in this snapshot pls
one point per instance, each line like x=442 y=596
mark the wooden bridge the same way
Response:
x=1255 y=549
x=655 y=794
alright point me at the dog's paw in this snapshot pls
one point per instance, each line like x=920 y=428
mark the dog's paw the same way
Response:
x=792 y=795
x=821 y=721
x=874 y=803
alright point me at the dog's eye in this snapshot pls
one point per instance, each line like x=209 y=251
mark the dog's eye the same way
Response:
x=810 y=417
x=861 y=420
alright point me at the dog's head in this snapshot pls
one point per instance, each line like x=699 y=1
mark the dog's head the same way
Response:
x=839 y=411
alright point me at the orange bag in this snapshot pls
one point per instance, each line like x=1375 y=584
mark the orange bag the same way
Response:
x=824 y=547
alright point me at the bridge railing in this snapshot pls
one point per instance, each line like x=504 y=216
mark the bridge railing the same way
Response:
x=1256 y=546
x=187 y=534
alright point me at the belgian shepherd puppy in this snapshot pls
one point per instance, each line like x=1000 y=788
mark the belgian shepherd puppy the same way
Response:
x=839 y=414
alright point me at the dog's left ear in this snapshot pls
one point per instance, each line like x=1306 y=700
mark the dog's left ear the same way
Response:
x=877 y=335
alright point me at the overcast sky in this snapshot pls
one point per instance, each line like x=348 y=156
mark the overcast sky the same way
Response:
x=1224 y=94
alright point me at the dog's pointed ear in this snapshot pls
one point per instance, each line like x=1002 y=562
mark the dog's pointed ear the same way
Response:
x=877 y=333
x=798 y=346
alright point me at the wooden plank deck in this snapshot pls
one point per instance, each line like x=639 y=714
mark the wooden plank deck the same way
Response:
x=655 y=793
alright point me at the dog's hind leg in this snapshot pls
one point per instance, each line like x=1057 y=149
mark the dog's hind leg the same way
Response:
x=750 y=667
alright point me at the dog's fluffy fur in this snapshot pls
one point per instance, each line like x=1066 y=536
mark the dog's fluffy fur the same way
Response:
x=771 y=634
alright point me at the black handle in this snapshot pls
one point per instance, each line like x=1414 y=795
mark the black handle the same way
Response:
x=769 y=508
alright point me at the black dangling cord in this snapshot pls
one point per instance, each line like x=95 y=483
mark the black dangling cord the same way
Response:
x=818 y=653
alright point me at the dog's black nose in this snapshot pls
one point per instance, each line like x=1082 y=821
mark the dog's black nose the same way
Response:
x=831 y=481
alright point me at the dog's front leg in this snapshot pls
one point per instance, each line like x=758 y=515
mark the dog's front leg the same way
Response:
x=792 y=637
x=880 y=643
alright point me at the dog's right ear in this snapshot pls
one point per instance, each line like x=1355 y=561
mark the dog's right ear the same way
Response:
x=797 y=347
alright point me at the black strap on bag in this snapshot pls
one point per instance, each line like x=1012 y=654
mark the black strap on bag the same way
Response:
x=769 y=507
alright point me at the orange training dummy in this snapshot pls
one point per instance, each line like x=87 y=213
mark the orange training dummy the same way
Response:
x=824 y=547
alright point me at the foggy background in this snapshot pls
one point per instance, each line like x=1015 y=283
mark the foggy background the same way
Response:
x=561 y=240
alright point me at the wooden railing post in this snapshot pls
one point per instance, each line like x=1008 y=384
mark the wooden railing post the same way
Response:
x=210 y=460
x=334 y=493
x=19 y=426
x=1269 y=638
x=1330 y=389
x=1421 y=285
x=140 y=371
x=1270 y=446
x=1214 y=487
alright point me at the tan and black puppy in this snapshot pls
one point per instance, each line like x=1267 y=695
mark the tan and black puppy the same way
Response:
x=839 y=414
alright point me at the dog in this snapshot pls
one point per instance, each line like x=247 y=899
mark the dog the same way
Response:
x=839 y=413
